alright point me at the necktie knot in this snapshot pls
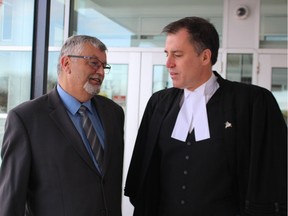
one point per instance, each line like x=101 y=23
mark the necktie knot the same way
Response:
x=82 y=110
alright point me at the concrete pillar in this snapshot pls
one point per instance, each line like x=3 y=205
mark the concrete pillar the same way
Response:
x=241 y=22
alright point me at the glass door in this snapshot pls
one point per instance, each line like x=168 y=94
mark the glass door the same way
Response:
x=153 y=76
x=239 y=67
x=122 y=86
x=272 y=75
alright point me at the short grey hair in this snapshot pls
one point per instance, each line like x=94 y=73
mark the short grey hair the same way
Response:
x=74 y=46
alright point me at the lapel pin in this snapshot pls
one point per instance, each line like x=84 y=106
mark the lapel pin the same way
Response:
x=228 y=124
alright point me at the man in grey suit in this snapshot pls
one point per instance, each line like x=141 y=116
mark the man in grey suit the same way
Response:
x=48 y=165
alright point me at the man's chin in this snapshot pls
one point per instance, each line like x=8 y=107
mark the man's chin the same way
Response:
x=92 y=90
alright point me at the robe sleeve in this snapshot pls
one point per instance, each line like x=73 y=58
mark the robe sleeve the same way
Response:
x=133 y=180
x=266 y=181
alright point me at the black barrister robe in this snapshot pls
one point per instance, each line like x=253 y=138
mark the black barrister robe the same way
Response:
x=256 y=150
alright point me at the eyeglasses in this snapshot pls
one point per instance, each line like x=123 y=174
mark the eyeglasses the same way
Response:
x=94 y=62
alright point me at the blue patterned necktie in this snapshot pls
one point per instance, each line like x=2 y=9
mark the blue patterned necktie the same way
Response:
x=91 y=136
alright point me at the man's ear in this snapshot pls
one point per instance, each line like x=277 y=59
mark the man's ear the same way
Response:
x=65 y=64
x=206 y=56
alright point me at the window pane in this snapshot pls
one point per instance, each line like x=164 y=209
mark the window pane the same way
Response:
x=15 y=82
x=16 y=78
x=16 y=33
x=115 y=84
x=16 y=23
x=7 y=22
x=56 y=31
x=52 y=70
x=239 y=67
x=56 y=40
x=273 y=24
x=161 y=78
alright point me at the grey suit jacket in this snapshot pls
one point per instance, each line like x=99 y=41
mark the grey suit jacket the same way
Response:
x=46 y=169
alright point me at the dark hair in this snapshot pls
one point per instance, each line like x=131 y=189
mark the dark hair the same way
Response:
x=203 y=34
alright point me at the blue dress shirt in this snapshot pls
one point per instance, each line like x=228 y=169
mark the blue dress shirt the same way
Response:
x=72 y=106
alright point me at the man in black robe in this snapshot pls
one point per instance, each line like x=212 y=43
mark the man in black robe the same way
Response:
x=207 y=146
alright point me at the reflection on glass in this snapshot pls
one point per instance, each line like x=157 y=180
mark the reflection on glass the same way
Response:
x=2 y=123
x=115 y=84
x=128 y=24
x=16 y=22
x=279 y=89
x=273 y=24
x=15 y=76
x=88 y=20
x=52 y=70
x=56 y=28
x=15 y=82
x=7 y=22
x=3 y=105
x=3 y=94
x=239 y=67
x=16 y=33
x=56 y=39
x=161 y=78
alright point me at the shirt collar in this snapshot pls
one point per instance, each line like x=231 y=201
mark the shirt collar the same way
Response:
x=207 y=88
x=71 y=103
x=211 y=85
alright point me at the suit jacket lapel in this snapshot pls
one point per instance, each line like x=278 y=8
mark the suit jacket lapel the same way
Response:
x=61 y=118
x=106 y=119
